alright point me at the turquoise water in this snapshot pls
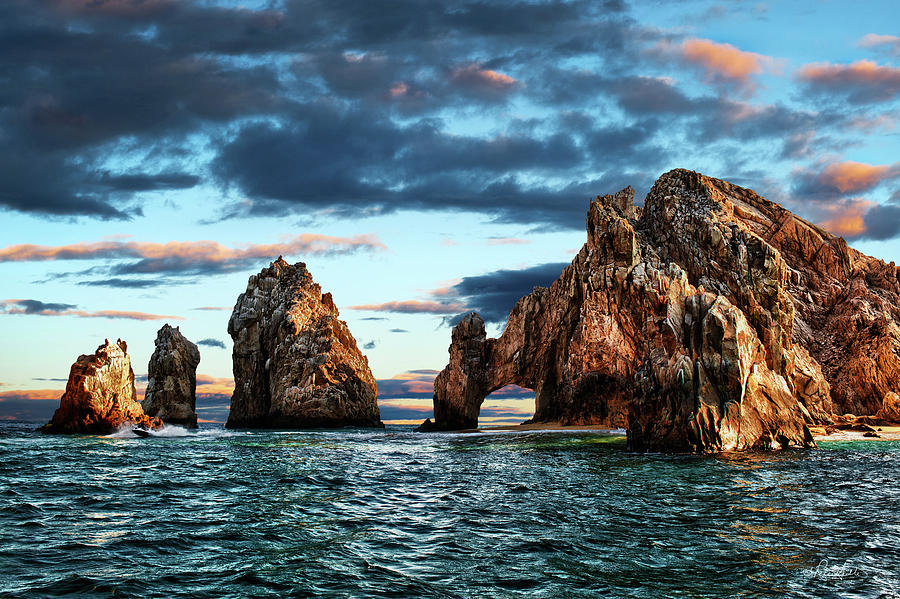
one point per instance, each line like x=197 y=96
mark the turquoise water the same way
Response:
x=392 y=513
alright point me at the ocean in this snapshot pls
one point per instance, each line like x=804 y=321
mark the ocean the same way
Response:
x=392 y=513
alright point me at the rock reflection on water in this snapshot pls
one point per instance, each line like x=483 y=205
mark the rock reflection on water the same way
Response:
x=392 y=513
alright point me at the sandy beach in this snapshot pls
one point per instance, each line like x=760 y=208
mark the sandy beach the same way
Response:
x=885 y=433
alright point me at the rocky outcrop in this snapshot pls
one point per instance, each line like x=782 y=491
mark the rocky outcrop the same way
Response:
x=171 y=392
x=100 y=396
x=710 y=319
x=890 y=408
x=296 y=365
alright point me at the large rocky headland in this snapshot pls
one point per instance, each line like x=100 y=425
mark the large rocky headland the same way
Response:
x=296 y=365
x=708 y=319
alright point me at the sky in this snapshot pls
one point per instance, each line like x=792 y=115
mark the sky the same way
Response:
x=424 y=159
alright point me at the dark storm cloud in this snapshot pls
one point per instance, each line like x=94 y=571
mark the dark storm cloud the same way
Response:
x=68 y=91
x=882 y=222
x=28 y=406
x=212 y=343
x=89 y=79
x=347 y=108
x=494 y=294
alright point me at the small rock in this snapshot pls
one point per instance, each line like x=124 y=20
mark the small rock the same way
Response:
x=100 y=396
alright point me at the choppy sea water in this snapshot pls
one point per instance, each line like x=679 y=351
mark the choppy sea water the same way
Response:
x=361 y=513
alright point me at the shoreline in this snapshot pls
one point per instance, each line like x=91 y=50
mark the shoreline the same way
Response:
x=545 y=426
x=885 y=433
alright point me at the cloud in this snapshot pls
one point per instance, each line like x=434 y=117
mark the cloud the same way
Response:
x=369 y=345
x=399 y=331
x=890 y=44
x=211 y=385
x=494 y=294
x=882 y=222
x=845 y=177
x=35 y=307
x=724 y=62
x=35 y=405
x=29 y=306
x=186 y=257
x=120 y=283
x=846 y=218
x=411 y=307
x=210 y=342
x=419 y=384
x=508 y=241
x=483 y=83
x=862 y=82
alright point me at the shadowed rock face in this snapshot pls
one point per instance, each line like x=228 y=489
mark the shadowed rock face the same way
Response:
x=296 y=365
x=711 y=319
x=172 y=379
x=100 y=396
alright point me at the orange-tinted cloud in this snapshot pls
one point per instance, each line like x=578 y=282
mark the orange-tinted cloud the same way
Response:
x=724 y=62
x=398 y=89
x=412 y=307
x=32 y=394
x=420 y=384
x=863 y=81
x=847 y=218
x=210 y=385
x=35 y=308
x=190 y=251
x=851 y=177
x=483 y=82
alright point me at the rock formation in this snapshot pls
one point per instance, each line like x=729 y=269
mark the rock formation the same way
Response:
x=172 y=379
x=710 y=319
x=296 y=365
x=100 y=396
x=890 y=408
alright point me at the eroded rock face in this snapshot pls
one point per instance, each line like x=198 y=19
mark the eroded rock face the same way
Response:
x=172 y=379
x=100 y=396
x=710 y=319
x=890 y=408
x=296 y=365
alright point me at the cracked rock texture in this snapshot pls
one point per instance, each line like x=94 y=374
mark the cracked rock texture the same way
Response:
x=709 y=319
x=296 y=365
x=100 y=396
x=171 y=392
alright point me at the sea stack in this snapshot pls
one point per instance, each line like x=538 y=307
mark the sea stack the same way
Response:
x=709 y=319
x=100 y=396
x=296 y=365
x=172 y=379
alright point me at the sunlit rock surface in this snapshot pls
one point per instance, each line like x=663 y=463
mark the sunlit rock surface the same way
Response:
x=171 y=392
x=296 y=365
x=709 y=319
x=100 y=395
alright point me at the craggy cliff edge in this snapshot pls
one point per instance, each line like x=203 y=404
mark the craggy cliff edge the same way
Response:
x=296 y=365
x=100 y=395
x=711 y=319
